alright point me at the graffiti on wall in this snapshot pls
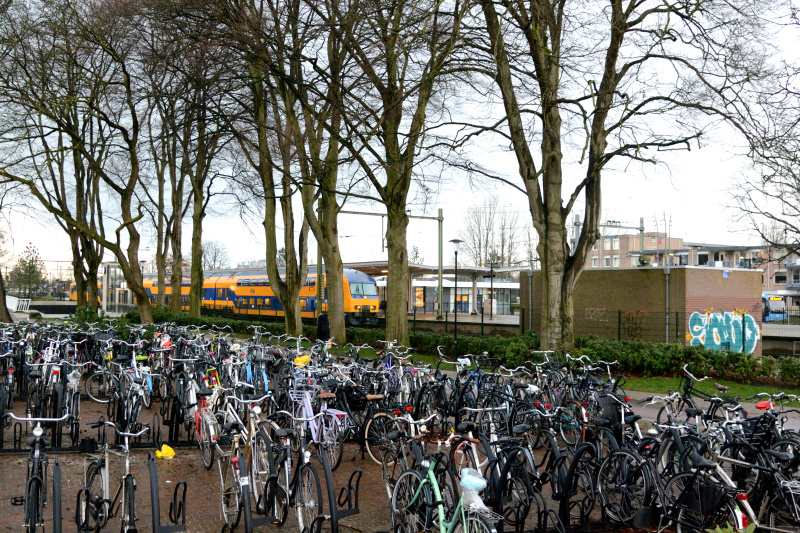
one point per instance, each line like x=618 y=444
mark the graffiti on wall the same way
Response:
x=733 y=330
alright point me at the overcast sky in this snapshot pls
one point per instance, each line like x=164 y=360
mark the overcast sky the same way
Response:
x=693 y=188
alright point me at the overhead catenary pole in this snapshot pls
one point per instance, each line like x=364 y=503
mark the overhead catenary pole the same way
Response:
x=441 y=269
x=440 y=219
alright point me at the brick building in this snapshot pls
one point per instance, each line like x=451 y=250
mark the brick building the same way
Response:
x=717 y=307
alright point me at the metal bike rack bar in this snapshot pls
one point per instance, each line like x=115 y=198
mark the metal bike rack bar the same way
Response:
x=177 y=507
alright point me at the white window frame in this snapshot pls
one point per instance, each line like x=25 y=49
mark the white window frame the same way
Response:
x=595 y=262
x=608 y=261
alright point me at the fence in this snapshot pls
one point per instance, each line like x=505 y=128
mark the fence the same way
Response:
x=726 y=330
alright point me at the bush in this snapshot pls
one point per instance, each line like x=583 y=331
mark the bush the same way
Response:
x=659 y=359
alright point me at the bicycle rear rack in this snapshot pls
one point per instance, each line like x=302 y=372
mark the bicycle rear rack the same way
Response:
x=177 y=507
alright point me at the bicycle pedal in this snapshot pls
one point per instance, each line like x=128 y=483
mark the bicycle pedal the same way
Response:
x=18 y=500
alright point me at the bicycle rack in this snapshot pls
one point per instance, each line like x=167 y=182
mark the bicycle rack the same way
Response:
x=18 y=435
x=57 y=497
x=177 y=507
x=348 y=496
x=74 y=432
x=251 y=522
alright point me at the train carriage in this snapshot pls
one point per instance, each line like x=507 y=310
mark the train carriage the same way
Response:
x=247 y=292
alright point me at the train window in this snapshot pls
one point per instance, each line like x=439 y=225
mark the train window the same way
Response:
x=267 y=303
x=310 y=282
x=252 y=303
x=262 y=282
x=363 y=289
x=303 y=304
x=261 y=303
x=220 y=293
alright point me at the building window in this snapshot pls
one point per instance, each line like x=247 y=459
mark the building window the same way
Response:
x=608 y=261
x=606 y=244
x=652 y=239
x=595 y=262
x=615 y=244
x=595 y=246
x=616 y=260
x=780 y=278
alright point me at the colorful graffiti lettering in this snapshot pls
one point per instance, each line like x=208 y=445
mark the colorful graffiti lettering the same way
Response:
x=730 y=330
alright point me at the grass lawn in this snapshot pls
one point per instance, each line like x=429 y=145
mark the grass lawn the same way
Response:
x=661 y=384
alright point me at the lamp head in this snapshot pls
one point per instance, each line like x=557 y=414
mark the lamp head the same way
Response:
x=456 y=242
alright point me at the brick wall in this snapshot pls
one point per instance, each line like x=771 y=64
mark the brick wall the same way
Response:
x=711 y=306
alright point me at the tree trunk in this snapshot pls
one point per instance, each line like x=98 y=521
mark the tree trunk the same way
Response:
x=91 y=289
x=176 y=278
x=334 y=274
x=196 y=287
x=397 y=281
x=77 y=270
x=5 y=316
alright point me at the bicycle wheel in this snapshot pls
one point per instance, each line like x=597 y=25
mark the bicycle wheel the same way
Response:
x=392 y=465
x=623 y=485
x=128 y=522
x=581 y=479
x=308 y=501
x=206 y=446
x=332 y=441
x=474 y=523
x=411 y=511
x=744 y=476
x=100 y=386
x=34 y=506
x=782 y=514
x=375 y=431
x=679 y=411
x=426 y=406
x=230 y=491
x=570 y=423
x=91 y=510
x=259 y=467
x=695 y=505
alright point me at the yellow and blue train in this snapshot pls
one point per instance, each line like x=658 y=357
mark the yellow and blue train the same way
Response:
x=247 y=292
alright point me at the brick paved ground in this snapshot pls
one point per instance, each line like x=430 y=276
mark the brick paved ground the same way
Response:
x=203 y=505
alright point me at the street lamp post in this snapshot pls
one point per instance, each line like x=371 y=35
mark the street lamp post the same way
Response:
x=455 y=242
x=491 y=289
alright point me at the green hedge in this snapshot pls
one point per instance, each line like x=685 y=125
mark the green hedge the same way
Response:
x=635 y=357
x=512 y=350
x=659 y=359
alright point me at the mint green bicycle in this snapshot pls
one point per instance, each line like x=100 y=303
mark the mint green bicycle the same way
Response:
x=417 y=503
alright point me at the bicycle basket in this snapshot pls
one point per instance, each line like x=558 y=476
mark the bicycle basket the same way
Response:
x=712 y=496
x=356 y=399
x=791 y=491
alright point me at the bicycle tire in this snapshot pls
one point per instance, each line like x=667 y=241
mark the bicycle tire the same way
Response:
x=100 y=386
x=308 y=498
x=582 y=483
x=623 y=485
x=572 y=428
x=680 y=411
x=332 y=441
x=685 y=507
x=474 y=523
x=230 y=492
x=34 y=507
x=91 y=509
x=259 y=466
x=204 y=442
x=463 y=456
x=128 y=523
x=407 y=513
x=375 y=431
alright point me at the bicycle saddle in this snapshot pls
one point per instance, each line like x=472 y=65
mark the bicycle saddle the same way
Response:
x=520 y=429
x=373 y=397
x=466 y=427
x=721 y=388
x=598 y=421
x=326 y=395
x=205 y=392
x=783 y=457
x=285 y=432
x=630 y=419
x=701 y=462
x=33 y=374
x=693 y=412
x=228 y=426
x=394 y=435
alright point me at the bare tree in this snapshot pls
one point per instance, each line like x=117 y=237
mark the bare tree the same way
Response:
x=103 y=41
x=491 y=234
x=607 y=80
x=215 y=255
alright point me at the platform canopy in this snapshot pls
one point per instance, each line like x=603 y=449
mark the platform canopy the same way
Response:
x=381 y=268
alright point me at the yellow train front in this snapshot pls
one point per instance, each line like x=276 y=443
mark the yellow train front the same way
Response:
x=247 y=292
